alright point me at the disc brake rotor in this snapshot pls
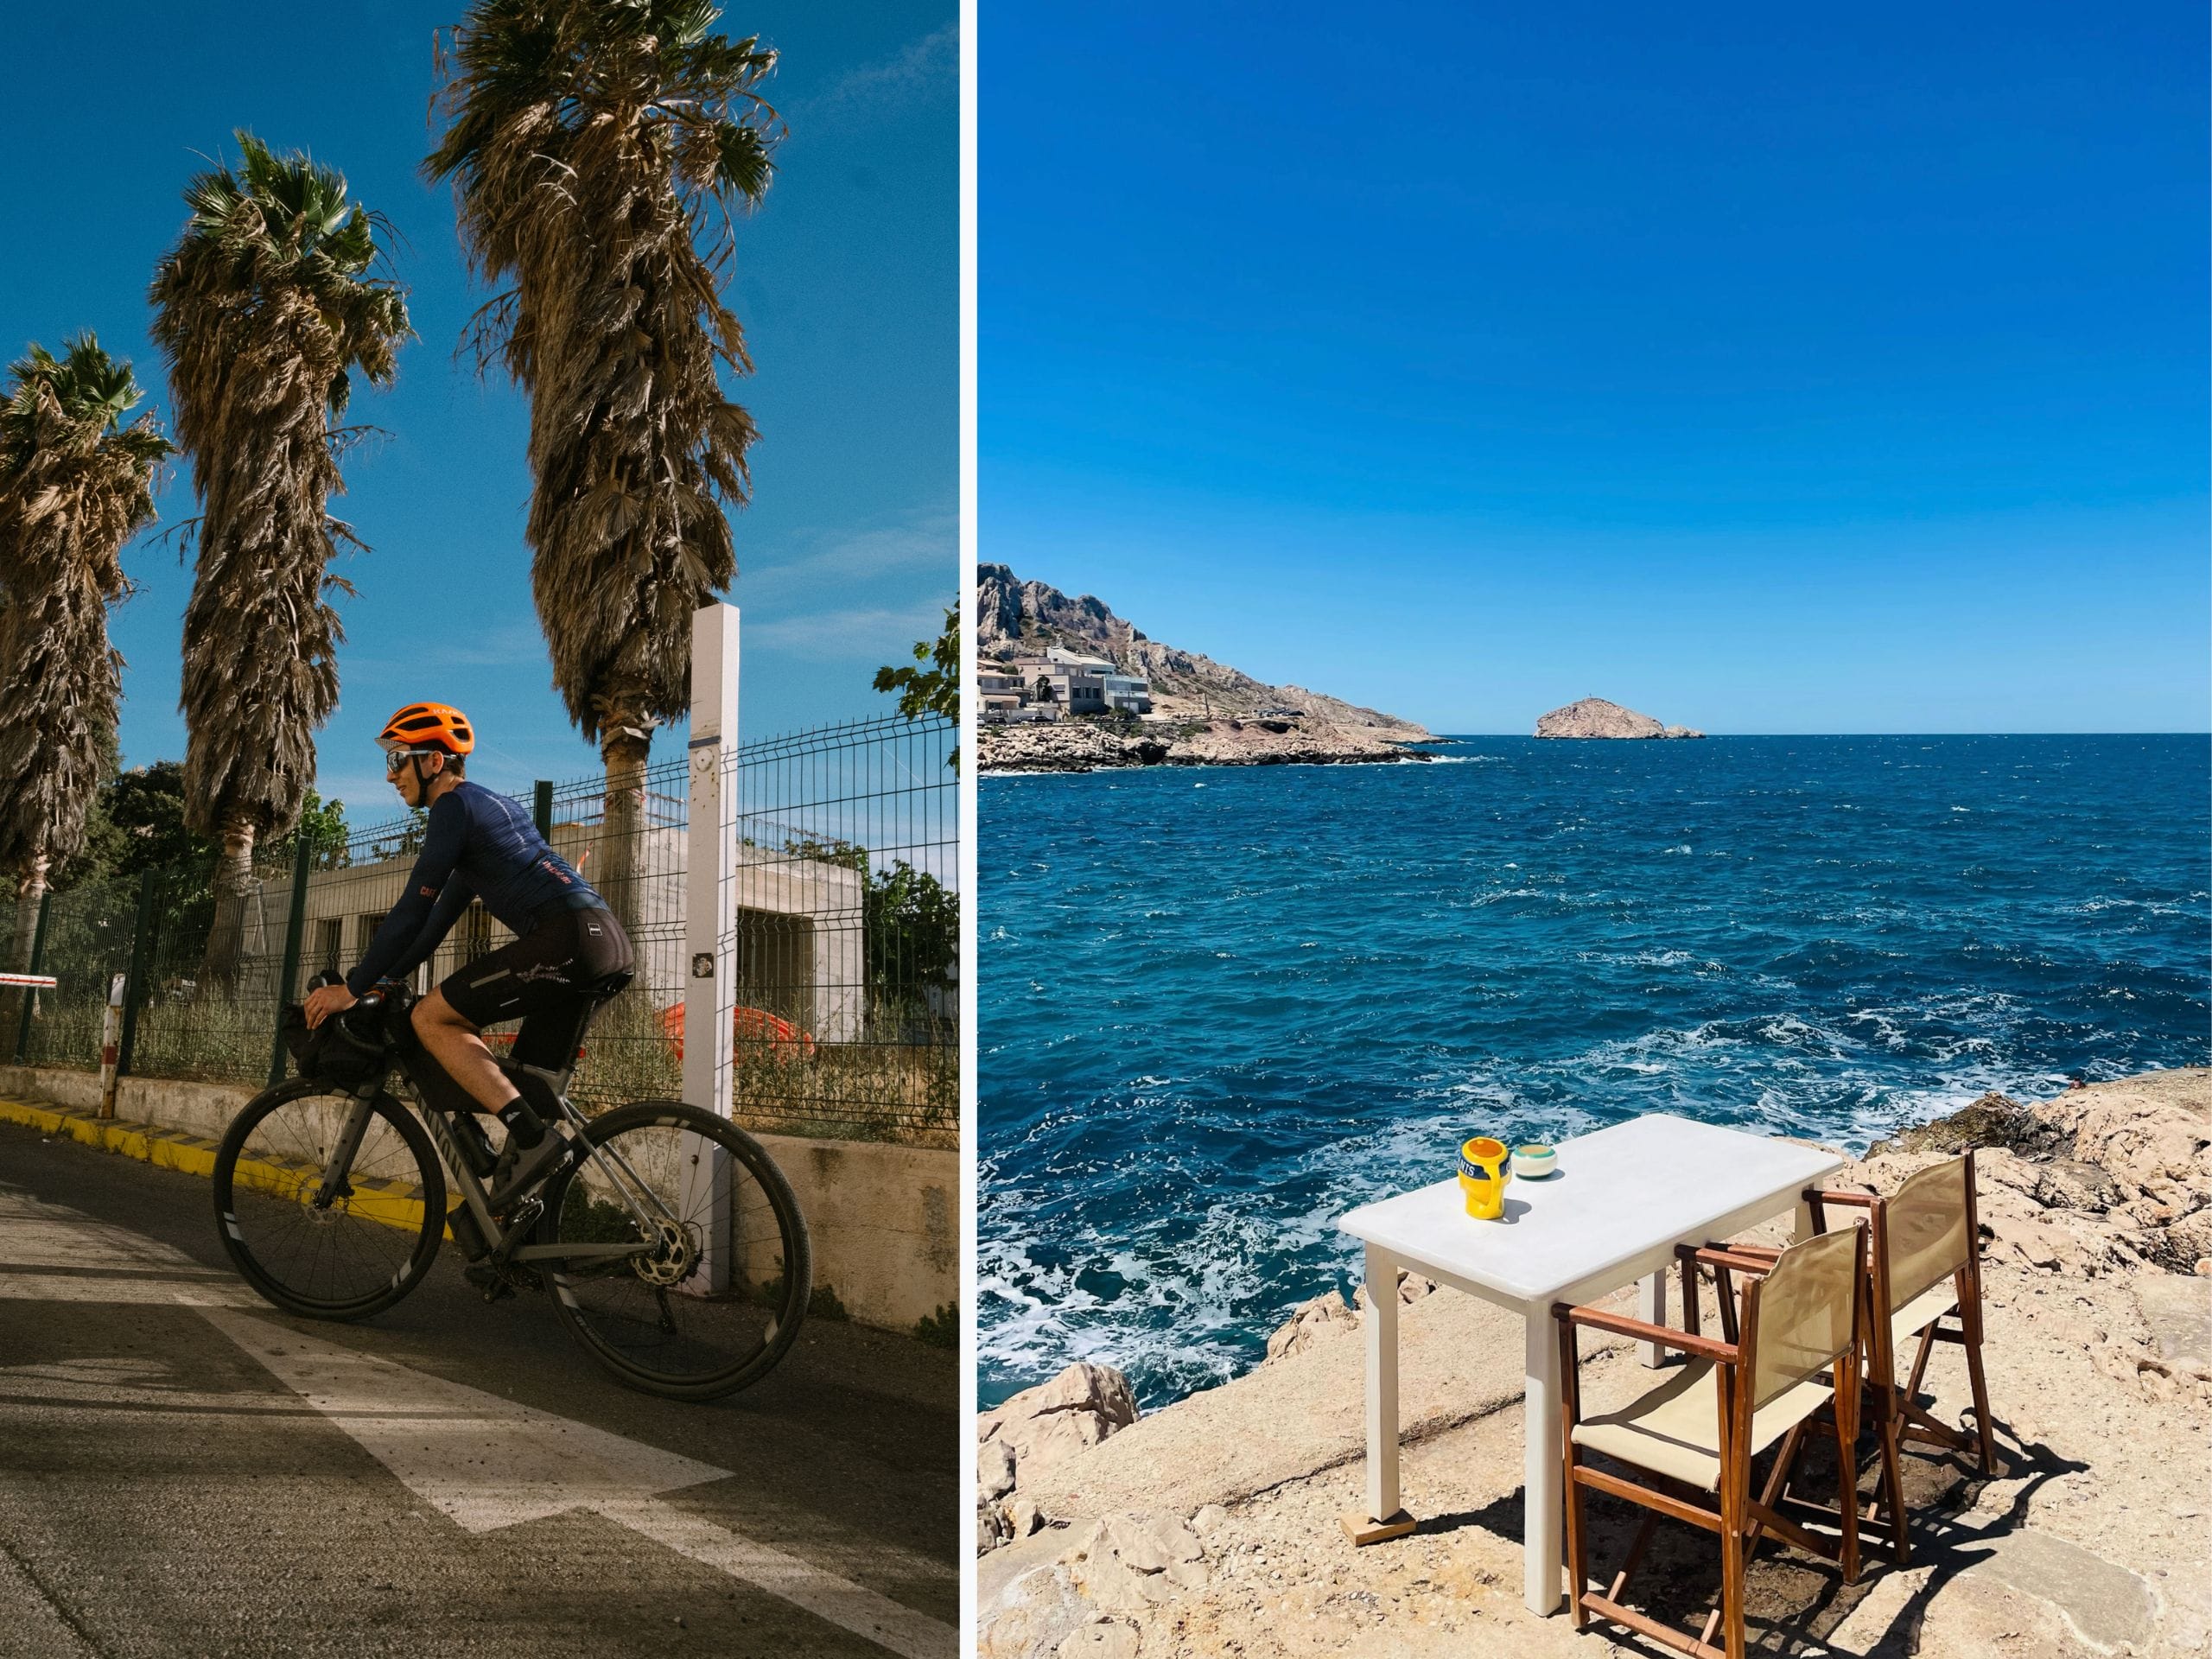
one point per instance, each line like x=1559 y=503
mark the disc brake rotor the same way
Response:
x=674 y=1257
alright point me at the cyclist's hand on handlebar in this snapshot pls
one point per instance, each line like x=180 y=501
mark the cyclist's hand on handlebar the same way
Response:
x=326 y=1000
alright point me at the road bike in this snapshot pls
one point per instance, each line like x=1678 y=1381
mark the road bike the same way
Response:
x=673 y=1246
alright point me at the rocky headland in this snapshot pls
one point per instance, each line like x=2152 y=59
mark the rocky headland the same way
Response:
x=1595 y=717
x=1209 y=1526
x=1207 y=713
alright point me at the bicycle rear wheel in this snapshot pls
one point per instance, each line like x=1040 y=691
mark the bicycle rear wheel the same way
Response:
x=719 y=1298
x=355 y=1254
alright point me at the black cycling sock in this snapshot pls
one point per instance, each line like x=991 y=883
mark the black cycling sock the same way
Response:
x=525 y=1127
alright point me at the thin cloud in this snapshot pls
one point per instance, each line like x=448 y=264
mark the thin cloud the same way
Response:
x=919 y=69
x=884 y=634
x=918 y=542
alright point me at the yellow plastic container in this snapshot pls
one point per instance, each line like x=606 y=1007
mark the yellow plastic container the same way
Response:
x=1484 y=1171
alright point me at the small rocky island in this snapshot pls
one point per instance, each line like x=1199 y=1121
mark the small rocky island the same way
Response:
x=1595 y=717
x=1197 y=712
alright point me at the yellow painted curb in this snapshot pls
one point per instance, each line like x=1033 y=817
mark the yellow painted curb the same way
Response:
x=396 y=1204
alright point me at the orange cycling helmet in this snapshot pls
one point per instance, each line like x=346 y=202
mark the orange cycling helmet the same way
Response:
x=427 y=726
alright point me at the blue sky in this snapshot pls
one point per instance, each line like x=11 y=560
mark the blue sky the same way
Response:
x=1770 y=370
x=847 y=283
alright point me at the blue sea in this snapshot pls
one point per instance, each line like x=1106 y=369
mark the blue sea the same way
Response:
x=1220 y=1006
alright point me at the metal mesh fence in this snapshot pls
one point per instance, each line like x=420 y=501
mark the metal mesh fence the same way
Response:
x=845 y=948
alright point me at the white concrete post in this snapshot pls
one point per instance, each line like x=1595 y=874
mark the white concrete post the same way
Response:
x=710 y=925
x=110 y=1043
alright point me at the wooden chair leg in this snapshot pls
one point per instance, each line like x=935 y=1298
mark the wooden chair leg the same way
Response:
x=1920 y=1364
x=1980 y=1396
x=1778 y=1482
x=1847 y=1474
x=1893 y=1480
x=1634 y=1558
x=1577 y=1548
x=1732 y=1592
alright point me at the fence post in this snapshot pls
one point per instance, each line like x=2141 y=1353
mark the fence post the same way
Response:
x=541 y=808
x=134 y=993
x=295 y=926
x=710 y=920
x=111 y=1021
x=38 y=965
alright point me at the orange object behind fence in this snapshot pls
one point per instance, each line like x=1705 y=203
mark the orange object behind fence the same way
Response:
x=786 y=1040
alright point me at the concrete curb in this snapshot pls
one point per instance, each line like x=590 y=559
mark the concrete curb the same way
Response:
x=150 y=1143
x=396 y=1204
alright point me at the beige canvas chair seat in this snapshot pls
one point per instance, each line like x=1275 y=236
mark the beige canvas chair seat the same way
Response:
x=1675 y=1429
x=1926 y=1269
x=1802 y=1330
x=1922 y=1310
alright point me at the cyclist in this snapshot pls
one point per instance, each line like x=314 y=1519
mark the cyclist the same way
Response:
x=478 y=844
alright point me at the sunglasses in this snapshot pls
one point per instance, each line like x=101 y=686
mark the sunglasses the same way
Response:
x=395 y=760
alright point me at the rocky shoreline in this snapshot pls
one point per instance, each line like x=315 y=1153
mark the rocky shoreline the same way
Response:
x=1208 y=1527
x=1092 y=746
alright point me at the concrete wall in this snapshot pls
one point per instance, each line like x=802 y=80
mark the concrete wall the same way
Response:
x=884 y=1220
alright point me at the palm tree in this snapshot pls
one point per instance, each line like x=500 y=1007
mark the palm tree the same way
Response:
x=264 y=309
x=598 y=150
x=76 y=483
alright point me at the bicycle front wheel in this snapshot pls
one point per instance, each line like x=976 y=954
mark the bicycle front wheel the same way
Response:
x=338 y=1256
x=714 y=1292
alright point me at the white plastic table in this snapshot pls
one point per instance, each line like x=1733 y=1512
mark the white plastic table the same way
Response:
x=1623 y=1198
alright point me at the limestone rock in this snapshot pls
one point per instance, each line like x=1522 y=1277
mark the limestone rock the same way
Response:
x=994 y=1470
x=1102 y=1638
x=1073 y=1412
x=2068 y=1183
x=1412 y=1287
x=1994 y=1120
x=1595 y=717
x=1030 y=1617
x=1130 y=1561
x=1312 y=1320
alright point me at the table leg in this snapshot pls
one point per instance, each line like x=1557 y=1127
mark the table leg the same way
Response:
x=1651 y=1308
x=1382 y=1385
x=1542 y=1477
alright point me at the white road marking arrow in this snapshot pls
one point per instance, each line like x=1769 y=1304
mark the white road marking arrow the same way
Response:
x=489 y=1463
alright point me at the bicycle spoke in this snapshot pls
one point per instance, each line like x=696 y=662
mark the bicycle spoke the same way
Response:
x=701 y=1308
x=355 y=1252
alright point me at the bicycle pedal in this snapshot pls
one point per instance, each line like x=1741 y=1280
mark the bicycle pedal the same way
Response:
x=494 y=1284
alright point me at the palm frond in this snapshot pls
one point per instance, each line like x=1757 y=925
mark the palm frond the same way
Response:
x=597 y=151
x=265 y=312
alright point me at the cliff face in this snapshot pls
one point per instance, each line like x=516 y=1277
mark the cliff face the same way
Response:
x=1595 y=717
x=1240 y=712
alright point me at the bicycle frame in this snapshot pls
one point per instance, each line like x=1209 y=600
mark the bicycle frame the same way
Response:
x=505 y=1242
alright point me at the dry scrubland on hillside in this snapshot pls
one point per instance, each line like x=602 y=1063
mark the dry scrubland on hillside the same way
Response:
x=1209 y=1527
x=1211 y=714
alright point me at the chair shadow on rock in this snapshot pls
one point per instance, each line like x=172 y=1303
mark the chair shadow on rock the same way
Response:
x=1795 y=1603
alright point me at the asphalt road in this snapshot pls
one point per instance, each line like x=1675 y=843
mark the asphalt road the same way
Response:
x=184 y=1470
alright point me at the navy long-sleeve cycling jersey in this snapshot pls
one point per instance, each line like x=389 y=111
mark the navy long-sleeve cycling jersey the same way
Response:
x=478 y=844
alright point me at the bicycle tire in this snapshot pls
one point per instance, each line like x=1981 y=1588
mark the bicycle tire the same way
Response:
x=267 y=1165
x=600 y=1304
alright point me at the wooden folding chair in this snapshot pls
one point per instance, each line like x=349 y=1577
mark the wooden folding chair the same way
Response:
x=1694 y=1434
x=1925 y=1268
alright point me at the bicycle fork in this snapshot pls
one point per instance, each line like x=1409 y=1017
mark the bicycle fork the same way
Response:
x=340 y=1164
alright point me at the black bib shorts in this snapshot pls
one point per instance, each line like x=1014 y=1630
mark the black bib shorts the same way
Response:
x=539 y=979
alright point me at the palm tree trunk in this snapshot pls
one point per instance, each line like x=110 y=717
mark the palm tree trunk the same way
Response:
x=625 y=743
x=30 y=891
x=233 y=885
